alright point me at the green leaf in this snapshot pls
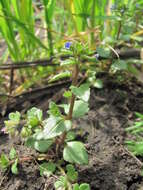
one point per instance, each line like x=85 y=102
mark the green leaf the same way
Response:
x=40 y=145
x=98 y=84
x=80 y=7
x=136 y=126
x=34 y=116
x=71 y=172
x=59 y=76
x=26 y=132
x=132 y=69
x=10 y=127
x=120 y=65
x=68 y=62
x=14 y=168
x=12 y=123
x=103 y=52
x=61 y=183
x=79 y=110
x=4 y=161
x=70 y=136
x=51 y=123
x=82 y=92
x=47 y=168
x=30 y=141
x=135 y=147
x=137 y=38
x=84 y=186
x=28 y=32
x=14 y=116
x=54 y=110
x=49 y=8
x=75 y=152
x=76 y=186
x=12 y=153
x=7 y=30
x=35 y=112
x=139 y=115
x=67 y=94
x=55 y=129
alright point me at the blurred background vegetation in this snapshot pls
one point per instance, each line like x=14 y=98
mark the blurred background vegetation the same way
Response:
x=37 y=29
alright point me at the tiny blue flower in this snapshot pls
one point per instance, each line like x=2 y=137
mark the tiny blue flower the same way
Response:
x=137 y=5
x=68 y=45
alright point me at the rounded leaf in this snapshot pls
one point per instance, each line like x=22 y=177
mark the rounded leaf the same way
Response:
x=75 y=152
x=51 y=131
x=47 y=168
x=82 y=92
x=42 y=145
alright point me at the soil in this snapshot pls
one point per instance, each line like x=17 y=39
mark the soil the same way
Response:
x=111 y=165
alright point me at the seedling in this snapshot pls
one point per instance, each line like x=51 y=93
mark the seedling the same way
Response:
x=55 y=133
x=11 y=160
x=43 y=134
x=136 y=146
x=47 y=168
x=67 y=180
x=11 y=125
x=55 y=128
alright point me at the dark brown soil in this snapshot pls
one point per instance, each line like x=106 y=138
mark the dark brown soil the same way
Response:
x=111 y=165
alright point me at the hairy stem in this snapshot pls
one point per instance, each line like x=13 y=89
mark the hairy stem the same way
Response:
x=92 y=21
x=120 y=26
x=74 y=83
x=72 y=101
x=119 y=30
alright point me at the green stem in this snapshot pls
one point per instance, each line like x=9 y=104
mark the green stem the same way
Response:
x=72 y=101
x=119 y=30
x=120 y=26
x=50 y=40
x=92 y=21
x=74 y=83
x=63 y=173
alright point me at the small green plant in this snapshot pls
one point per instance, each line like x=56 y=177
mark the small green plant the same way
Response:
x=43 y=134
x=136 y=146
x=55 y=133
x=83 y=186
x=47 y=168
x=68 y=179
x=9 y=161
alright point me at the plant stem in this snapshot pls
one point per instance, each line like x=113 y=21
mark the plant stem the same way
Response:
x=74 y=83
x=92 y=21
x=72 y=101
x=50 y=40
x=120 y=26
x=119 y=30
x=11 y=80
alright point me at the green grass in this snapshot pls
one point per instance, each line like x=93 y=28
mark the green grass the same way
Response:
x=38 y=29
x=18 y=23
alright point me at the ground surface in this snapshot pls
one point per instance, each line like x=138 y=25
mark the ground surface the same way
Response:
x=111 y=166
